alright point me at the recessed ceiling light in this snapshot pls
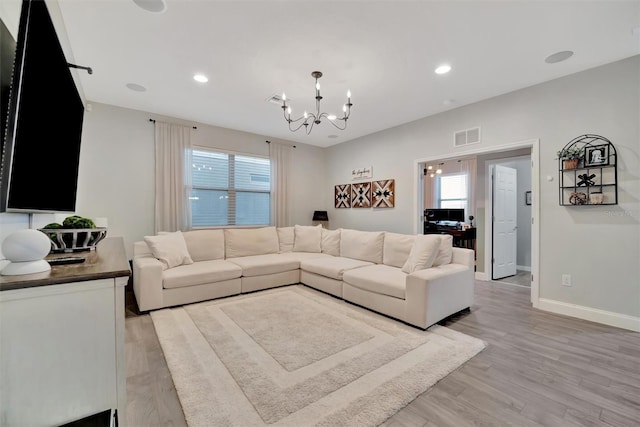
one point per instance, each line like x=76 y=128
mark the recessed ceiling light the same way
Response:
x=136 y=87
x=200 y=78
x=558 y=56
x=443 y=69
x=448 y=101
x=155 y=6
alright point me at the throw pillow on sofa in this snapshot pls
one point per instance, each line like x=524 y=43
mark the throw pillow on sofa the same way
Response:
x=423 y=253
x=169 y=248
x=330 y=242
x=445 y=253
x=307 y=238
x=285 y=237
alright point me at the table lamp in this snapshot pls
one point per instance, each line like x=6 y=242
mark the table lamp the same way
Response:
x=320 y=216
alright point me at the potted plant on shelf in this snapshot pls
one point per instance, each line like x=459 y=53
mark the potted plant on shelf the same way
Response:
x=571 y=156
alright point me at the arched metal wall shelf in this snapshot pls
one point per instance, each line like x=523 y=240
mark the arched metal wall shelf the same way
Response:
x=594 y=179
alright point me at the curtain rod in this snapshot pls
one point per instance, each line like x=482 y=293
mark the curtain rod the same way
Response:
x=269 y=142
x=153 y=120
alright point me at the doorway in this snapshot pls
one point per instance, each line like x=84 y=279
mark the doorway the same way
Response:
x=509 y=208
x=483 y=219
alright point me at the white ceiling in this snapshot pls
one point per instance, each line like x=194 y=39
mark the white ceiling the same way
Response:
x=385 y=52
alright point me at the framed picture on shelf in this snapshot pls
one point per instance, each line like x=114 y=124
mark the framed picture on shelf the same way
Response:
x=527 y=198
x=597 y=155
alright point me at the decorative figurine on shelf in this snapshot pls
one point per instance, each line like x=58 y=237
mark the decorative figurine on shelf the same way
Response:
x=586 y=180
x=578 y=198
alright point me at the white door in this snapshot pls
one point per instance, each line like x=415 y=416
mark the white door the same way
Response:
x=504 y=222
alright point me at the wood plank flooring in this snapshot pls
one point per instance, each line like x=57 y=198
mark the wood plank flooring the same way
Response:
x=539 y=369
x=521 y=278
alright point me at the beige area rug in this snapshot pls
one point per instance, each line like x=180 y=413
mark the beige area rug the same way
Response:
x=296 y=357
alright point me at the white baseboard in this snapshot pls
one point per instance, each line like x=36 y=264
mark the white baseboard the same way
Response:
x=523 y=267
x=482 y=276
x=592 y=314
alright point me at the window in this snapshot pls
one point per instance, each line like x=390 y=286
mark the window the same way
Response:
x=229 y=189
x=452 y=191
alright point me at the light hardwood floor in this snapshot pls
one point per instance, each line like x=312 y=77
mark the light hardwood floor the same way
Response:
x=539 y=369
x=521 y=278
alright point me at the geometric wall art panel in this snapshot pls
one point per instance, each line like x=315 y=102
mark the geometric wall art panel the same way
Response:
x=383 y=194
x=361 y=195
x=342 y=196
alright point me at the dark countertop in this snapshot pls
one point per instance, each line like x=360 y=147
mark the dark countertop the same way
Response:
x=107 y=261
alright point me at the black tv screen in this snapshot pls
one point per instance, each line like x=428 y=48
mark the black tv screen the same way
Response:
x=41 y=148
x=456 y=215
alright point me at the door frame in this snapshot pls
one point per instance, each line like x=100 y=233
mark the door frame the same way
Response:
x=534 y=144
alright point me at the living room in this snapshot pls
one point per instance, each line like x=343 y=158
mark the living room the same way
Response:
x=599 y=246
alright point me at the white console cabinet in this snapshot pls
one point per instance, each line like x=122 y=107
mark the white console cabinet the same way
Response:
x=62 y=343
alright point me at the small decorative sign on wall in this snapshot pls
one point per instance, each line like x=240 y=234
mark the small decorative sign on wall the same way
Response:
x=362 y=173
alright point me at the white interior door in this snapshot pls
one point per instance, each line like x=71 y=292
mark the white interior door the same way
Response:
x=504 y=222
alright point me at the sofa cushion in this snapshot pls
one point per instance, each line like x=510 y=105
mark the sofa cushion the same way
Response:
x=241 y=242
x=307 y=238
x=423 y=253
x=200 y=273
x=362 y=245
x=380 y=279
x=170 y=249
x=445 y=252
x=205 y=245
x=332 y=267
x=396 y=248
x=285 y=239
x=330 y=242
x=258 y=265
x=303 y=256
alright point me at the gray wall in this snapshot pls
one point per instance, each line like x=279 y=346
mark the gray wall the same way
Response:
x=116 y=176
x=598 y=245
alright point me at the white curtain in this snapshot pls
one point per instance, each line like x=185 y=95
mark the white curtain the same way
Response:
x=281 y=157
x=173 y=178
x=430 y=191
x=468 y=167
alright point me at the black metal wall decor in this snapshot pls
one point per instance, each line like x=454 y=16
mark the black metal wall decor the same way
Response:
x=593 y=178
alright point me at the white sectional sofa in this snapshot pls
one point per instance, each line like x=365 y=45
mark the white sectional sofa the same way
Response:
x=418 y=279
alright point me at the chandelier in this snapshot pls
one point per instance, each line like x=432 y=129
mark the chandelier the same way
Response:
x=309 y=119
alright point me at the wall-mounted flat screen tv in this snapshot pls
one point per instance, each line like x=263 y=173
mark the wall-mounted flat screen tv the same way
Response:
x=41 y=145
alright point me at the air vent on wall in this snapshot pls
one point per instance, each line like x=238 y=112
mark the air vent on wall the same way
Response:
x=466 y=137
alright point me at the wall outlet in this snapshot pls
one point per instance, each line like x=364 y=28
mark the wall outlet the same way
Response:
x=566 y=280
